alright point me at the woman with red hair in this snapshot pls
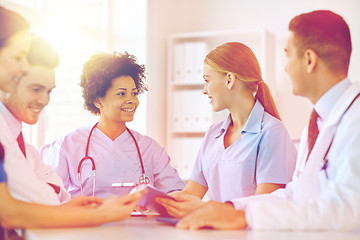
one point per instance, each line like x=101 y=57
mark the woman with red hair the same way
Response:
x=248 y=153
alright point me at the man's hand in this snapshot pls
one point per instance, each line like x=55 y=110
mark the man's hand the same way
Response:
x=119 y=208
x=84 y=201
x=216 y=215
x=183 y=205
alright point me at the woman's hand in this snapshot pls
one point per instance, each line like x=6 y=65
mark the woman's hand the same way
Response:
x=183 y=204
x=215 y=215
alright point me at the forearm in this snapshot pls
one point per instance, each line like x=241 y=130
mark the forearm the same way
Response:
x=268 y=187
x=25 y=215
x=195 y=189
x=18 y=214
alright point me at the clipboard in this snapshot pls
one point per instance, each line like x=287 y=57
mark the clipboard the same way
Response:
x=148 y=201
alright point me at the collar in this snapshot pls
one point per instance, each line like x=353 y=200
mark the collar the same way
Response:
x=327 y=101
x=15 y=125
x=253 y=123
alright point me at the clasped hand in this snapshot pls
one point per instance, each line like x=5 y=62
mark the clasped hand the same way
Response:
x=182 y=205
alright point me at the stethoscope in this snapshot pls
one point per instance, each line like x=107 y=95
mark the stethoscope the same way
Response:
x=143 y=179
x=325 y=160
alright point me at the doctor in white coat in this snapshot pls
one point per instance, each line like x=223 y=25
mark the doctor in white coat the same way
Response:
x=29 y=179
x=325 y=191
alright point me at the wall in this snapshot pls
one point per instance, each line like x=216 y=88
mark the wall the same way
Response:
x=78 y=30
x=128 y=33
x=174 y=16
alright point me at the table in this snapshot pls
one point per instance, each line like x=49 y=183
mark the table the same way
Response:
x=144 y=228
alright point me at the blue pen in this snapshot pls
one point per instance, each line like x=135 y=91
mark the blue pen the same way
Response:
x=324 y=167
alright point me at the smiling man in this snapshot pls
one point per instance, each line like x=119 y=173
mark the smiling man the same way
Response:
x=28 y=178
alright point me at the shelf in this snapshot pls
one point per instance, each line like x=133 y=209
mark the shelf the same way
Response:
x=189 y=134
x=187 y=86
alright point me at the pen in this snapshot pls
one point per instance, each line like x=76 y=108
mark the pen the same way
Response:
x=324 y=167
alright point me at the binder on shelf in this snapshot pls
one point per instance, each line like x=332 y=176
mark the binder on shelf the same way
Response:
x=178 y=60
x=177 y=111
x=201 y=49
x=189 y=61
x=191 y=111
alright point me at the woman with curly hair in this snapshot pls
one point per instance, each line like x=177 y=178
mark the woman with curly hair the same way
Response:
x=111 y=84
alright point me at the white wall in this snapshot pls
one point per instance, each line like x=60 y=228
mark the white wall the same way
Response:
x=122 y=28
x=128 y=33
x=166 y=17
x=125 y=26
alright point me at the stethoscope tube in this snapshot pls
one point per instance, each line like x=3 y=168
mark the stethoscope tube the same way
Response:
x=143 y=179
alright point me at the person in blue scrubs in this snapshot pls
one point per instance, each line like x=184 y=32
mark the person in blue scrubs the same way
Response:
x=2 y=178
x=251 y=151
x=2 y=172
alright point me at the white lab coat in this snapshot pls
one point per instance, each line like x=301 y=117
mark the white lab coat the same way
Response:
x=311 y=201
x=27 y=178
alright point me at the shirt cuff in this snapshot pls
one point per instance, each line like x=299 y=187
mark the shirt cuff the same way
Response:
x=248 y=218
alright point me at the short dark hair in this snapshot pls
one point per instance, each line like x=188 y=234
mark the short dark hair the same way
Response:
x=99 y=71
x=327 y=34
x=42 y=53
x=10 y=24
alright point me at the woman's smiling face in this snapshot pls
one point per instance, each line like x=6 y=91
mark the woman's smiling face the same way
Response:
x=120 y=101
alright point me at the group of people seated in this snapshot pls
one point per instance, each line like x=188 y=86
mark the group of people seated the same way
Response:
x=247 y=163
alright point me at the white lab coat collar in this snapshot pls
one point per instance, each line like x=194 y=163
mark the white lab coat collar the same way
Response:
x=327 y=101
x=315 y=161
x=15 y=125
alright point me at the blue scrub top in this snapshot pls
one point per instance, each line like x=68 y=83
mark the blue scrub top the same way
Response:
x=263 y=154
x=2 y=171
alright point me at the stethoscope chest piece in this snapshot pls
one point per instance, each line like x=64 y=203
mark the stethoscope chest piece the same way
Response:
x=144 y=179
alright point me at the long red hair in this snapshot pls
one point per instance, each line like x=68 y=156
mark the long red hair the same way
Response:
x=238 y=58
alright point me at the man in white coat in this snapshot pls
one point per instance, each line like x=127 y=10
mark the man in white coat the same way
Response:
x=28 y=178
x=325 y=191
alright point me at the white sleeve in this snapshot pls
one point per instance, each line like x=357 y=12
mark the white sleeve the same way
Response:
x=47 y=174
x=285 y=193
x=55 y=156
x=339 y=209
x=23 y=183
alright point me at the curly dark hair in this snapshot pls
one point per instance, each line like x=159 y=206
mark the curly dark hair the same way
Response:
x=99 y=71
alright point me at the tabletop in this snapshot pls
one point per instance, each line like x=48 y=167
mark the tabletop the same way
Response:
x=141 y=228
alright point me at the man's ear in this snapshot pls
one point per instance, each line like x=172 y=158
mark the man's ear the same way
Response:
x=97 y=103
x=311 y=59
x=230 y=80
